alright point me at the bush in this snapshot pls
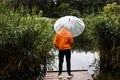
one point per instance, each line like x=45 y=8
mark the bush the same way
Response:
x=25 y=44
x=108 y=42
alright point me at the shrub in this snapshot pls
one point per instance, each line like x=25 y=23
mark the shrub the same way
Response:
x=108 y=42
x=25 y=44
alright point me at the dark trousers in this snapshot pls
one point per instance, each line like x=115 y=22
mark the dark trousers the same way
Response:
x=66 y=53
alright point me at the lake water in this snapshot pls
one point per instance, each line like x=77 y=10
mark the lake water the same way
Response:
x=80 y=61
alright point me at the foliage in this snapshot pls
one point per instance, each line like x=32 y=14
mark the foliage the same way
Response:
x=112 y=10
x=66 y=9
x=108 y=42
x=51 y=8
x=25 y=44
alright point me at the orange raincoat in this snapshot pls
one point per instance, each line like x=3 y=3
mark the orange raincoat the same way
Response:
x=63 y=39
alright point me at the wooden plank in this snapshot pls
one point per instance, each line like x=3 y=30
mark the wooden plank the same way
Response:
x=78 y=75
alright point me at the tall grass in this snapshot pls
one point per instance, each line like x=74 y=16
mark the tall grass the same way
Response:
x=25 y=44
x=106 y=26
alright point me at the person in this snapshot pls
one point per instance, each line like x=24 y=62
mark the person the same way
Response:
x=63 y=41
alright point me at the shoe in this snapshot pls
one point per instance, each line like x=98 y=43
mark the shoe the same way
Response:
x=60 y=76
x=70 y=76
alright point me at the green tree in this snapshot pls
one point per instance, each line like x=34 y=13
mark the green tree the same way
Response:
x=66 y=9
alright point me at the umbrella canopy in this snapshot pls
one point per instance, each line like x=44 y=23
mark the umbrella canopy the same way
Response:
x=73 y=24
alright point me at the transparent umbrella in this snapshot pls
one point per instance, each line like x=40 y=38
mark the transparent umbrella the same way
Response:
x=74 y=25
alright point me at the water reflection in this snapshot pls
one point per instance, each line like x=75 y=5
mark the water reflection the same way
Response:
x=80 y=61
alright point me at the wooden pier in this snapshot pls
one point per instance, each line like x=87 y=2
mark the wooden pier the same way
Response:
x=77 y=75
